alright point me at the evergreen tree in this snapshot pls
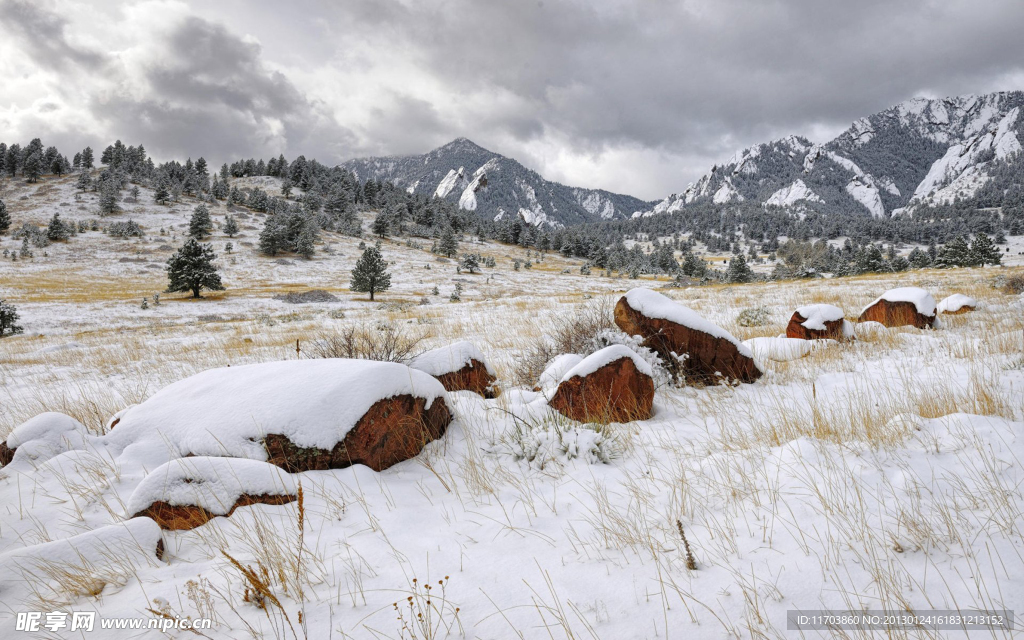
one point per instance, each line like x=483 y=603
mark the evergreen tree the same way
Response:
x=370 y=274
x=381 y=225
x=919 y=259
x=984 y=251
x=108 y=197
x=305 y=244
x=200 y=225
x=870 y=260
x=192 y=269
x=738 y=270
x=5 y=218
x=8 y=319
x=955 y=253
x=57 y=230
x=84 y=181
x=449 y=245
x=470 y=263
x=694 y=266
x=87 y=159
x=161 y=195
x=33 y=168
x=230 y=227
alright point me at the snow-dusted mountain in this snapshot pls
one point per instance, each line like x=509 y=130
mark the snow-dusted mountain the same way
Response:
x=918 y=152
x=495 y=186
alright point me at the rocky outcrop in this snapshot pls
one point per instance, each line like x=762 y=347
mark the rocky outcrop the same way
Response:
x=957 y=304
x=819 y=322
x=708 y=353
x=612 y=385
x=6 y=454
x=459 y=367
x=393 y=430
x=902 y=307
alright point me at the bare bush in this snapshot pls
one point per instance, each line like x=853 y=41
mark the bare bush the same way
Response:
x=383 y=341
x=1014 y=284
x=572 y=332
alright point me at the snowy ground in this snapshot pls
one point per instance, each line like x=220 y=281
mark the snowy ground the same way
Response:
x=885 y=473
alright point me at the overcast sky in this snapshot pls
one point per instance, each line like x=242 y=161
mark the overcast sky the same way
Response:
x=636 y=97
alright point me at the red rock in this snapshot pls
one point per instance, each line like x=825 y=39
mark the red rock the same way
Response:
x=615 y=392
x=896 y=314
x=459 y=367
x=821 y=328
x=393 y=430
x=185 y=517
x=472 y=377
x=707 y=355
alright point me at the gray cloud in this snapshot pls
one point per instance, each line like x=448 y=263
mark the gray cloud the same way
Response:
x=638 y=97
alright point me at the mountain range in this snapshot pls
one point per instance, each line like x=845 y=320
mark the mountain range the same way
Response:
x=495 y=186
x=920 y=152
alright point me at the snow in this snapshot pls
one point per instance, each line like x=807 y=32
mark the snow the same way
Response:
x=726 y=193
x=454 y=357
x=215 y=484
x=448 y=182
x=556 y=370
x=788 y=196
x=467 y=200
x=107 y=553
x=818 y=314
x=956 y=302
x=780 y=349
x=606 y=356
x=44 y=437
x=920 y=298
x=865 y=192
x=655 y=305
x=227 y=411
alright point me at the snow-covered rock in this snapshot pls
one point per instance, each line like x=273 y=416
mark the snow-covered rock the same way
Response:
x=789 y=196
x=555 y=371
x=308 y=404
x=779 y=349
x=710 y=353
x=819 y=321
x=611 y=385
x=902 y=306
x=41 y=438
x=459 y=367
x=187 y=492
x=957 y=303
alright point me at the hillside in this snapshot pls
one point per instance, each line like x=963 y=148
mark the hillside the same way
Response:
x=918 y=153
x=495 y=186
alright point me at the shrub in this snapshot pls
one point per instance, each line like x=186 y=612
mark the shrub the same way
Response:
x=754 y=317
x=126 y=229
x=385 y=342
x=1014 y=284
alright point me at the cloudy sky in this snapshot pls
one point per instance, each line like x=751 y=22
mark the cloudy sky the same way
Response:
x=639 y=97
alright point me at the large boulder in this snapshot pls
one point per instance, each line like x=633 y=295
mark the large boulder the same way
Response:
x=459 y=367
x=711 y=353
x=297 y=414
x=902 y=307
x=956 y=304
x=819 y=322
x=552 y=375
x=611 y=385
x=189 y=492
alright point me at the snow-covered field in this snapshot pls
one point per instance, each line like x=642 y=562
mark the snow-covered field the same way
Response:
x=883 y=473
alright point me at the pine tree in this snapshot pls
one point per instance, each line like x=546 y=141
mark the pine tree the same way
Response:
x=200 y=225
x=470 y=263
x=192 y=269
x=57 y=230
x=33 y=168
x=370 y=274
x=5 y=218
x=8 y=319
x=305 y=244
x=694 y=266
x=108 y=197
x=955 y=253
x=738 y=270
x=449 y=245
x=87 y=159
x=983 y=251
x=381 y=225
x=870 y=260
x=161 y=195
x=919 y=259
x=84 y=181
x=230 y=226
